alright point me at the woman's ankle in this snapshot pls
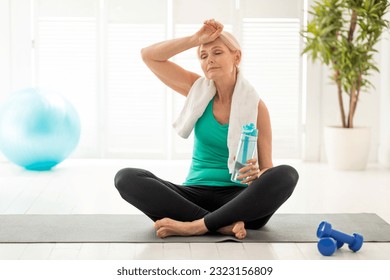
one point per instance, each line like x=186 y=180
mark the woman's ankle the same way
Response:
x=199 y=227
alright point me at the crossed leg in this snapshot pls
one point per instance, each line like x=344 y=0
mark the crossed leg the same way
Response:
x=178 y=210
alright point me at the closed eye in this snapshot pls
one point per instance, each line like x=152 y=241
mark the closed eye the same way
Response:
x=204 y=56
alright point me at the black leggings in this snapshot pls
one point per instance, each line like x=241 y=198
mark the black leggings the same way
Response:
x=219 y=206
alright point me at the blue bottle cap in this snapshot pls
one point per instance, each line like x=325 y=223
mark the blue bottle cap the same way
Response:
x=249 y=129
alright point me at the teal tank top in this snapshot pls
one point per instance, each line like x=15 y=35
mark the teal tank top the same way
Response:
x=210 y=153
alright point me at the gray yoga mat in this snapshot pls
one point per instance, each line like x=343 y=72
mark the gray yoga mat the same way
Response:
x=139 y=229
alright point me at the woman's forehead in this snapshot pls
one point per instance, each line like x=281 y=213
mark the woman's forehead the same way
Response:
x=216 y=43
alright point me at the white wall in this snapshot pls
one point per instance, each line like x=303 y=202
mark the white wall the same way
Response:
x=384 y=92
x=4 y=48
x=5 y=79
x=15 y=46
x=20 y=42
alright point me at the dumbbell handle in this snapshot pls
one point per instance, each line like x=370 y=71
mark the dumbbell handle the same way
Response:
x=340 y=236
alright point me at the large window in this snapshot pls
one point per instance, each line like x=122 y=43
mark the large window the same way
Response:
x=90 y=52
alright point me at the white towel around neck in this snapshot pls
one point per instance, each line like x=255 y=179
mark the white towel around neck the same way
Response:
x=243 y=110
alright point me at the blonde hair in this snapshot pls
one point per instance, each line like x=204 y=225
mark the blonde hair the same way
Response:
x=230 y=41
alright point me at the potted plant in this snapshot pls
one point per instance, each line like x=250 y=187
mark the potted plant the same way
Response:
x=342 y=34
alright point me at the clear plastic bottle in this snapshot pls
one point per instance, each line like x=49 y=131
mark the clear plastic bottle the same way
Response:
x=246 y=149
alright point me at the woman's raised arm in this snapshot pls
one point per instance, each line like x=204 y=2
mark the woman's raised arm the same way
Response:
x=157 y=56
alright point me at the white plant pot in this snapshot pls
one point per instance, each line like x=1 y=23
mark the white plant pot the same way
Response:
x=347 y=148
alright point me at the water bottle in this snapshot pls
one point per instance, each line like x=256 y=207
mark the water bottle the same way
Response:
x=246 y=149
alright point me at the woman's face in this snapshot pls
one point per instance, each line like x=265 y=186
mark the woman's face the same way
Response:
x=217 y=60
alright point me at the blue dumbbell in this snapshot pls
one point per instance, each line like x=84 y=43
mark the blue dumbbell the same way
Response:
x=355 y=241
x=327 y=246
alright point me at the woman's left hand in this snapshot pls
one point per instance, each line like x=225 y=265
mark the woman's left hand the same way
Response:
x=250 y=172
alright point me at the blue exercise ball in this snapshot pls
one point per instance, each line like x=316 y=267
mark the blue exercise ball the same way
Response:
x=38 y=129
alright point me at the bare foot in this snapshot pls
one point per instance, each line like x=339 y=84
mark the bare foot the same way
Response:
x=169 y=227
x=237 y=229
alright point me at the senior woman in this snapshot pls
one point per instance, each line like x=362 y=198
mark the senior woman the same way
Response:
x=217 y=105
